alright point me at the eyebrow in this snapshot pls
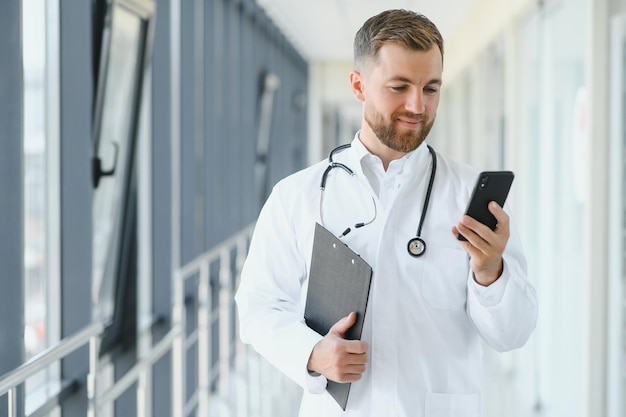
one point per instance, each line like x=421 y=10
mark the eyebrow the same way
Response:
x=406 y=80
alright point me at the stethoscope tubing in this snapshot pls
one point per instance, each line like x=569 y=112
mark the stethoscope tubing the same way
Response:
x=416 y=246
x=331 y=165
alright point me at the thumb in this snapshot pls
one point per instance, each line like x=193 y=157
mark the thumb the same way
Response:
x=343 y=325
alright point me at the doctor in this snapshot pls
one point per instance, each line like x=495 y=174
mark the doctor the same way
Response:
x=420 y=353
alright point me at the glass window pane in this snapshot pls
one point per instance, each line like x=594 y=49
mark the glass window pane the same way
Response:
x=41 y=193
x=34 y=179
x=114 y=148
x=550 y=99
x=41 y=185
x=616 y=358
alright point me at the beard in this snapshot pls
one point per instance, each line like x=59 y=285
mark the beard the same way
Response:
x=391 y=136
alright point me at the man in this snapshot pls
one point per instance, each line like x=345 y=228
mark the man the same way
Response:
x=420 y=351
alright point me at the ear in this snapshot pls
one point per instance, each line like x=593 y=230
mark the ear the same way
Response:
x=358 y=85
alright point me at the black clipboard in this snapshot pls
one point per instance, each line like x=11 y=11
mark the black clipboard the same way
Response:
x=339 y=283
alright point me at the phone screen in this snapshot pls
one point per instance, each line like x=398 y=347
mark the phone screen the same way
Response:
x=490 y=186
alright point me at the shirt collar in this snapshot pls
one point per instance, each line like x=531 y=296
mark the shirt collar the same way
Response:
x=414 y=161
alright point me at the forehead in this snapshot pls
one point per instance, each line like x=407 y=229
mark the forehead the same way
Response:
x=395 y=61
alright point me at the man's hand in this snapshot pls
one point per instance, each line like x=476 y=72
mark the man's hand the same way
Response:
x=336 y=358
x=485 y=246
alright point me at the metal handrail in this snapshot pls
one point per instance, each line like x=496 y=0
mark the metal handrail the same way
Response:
x=208 y=315
x=195 y=264
x=177 y=341
x=51 y=355
x=132 y=375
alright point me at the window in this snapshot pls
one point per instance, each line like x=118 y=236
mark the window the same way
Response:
x=35 y=219
x=551 y=143
x=125 y=43
x=617 y=231
x=41 y=190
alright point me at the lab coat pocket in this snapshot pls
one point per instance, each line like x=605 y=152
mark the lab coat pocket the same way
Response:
x=445 y=278
x=452 y=405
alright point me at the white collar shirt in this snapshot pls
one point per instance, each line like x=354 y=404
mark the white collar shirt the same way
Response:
x=425 y=316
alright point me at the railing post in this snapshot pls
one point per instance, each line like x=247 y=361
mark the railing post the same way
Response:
x=92 y=394
x=242 y=250
x=204 y=360
x=243 y=389
x=225 y=301
x=144 y=393
x=179 y=364
x=178 y=301
x=12 y=405
x=144 y=379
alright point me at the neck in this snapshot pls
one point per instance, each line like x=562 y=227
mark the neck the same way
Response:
x=371 y=142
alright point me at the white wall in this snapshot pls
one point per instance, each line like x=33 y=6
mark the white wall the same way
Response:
x=329 y=91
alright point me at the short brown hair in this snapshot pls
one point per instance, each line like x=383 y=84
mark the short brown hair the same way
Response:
x=402 y=27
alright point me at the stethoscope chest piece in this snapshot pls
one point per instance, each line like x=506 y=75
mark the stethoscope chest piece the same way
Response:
x=416 y=247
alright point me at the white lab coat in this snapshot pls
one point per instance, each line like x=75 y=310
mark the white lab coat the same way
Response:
x=425 y=316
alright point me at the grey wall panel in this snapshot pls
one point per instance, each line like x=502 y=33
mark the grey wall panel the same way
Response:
x=11 y=193
x=161 y=399
x=226 y=134
x=287 y=146
x=215 y=204
x=189 y=240
x=235 y=45
x=241 y=45
x=236 y=145
x=161 y=194
x=76 y=188
x=248 y=106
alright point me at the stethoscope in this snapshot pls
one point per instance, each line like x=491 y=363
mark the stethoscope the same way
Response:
x=416 y=246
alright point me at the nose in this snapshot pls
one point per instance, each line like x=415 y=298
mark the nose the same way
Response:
x=415 y=103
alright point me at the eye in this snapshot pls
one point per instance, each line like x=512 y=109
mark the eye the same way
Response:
x=398 y=88
x=431 y=90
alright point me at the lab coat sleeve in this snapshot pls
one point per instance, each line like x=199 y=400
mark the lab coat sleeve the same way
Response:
x=505 y=313
x=268 y=298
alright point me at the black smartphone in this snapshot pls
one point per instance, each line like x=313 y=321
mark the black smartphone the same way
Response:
x=490 y=186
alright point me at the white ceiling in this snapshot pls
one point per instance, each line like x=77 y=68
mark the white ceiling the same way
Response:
x=323 y=30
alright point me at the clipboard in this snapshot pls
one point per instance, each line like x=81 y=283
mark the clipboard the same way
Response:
x=339 y=283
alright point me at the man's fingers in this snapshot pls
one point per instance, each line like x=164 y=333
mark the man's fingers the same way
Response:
x=480 y=235
x=485 y=246
x=480 y=230
x=348 y=377
x=355 y=346
x=474 y=241
x=349 y=372
x=351 y=359
x=342 y=326
x=501 y=217
x=339 y=359
x=346 y=366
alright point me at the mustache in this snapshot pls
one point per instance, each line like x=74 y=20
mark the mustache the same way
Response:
x=411 y=116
